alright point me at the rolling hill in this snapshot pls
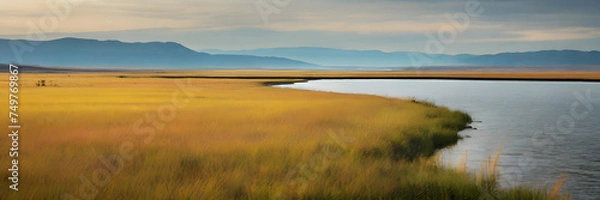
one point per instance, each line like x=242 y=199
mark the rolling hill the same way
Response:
x=74 y=52
x=375 y=58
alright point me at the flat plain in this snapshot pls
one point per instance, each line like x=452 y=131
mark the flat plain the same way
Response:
x=182 y=135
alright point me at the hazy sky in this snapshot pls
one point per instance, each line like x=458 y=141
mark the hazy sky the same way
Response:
x=388 y=25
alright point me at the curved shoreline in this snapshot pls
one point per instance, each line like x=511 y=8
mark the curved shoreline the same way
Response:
x=491 y=159
x=464 y=123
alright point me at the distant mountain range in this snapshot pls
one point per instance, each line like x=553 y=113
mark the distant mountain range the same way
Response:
x=74 y=52
x=89 y=53
x=375 y=58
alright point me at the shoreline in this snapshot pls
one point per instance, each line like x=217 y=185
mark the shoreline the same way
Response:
x=353 y=75
x=466 y=118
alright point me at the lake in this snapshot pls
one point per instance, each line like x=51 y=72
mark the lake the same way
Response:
x=543 y=129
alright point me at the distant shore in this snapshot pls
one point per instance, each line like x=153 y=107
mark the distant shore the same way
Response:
x=317 y=75
x=306 y=75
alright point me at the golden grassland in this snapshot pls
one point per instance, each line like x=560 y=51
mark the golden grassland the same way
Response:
x=94 y=135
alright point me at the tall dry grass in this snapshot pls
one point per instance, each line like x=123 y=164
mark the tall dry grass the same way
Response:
x=235 y=139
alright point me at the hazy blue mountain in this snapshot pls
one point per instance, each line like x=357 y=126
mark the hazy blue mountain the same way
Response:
x=540 y=58
x=74 y=52
x=374 y=58
x=328 y=56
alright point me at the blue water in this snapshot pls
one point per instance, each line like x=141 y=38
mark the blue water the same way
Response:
x=543 y=129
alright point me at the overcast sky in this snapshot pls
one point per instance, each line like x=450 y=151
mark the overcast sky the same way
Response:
x=388 y=25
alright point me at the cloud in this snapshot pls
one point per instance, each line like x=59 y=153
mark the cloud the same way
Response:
x=557 y=34
x=379 y=23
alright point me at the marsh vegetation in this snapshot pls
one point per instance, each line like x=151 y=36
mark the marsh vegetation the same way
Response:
x=235 y=139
